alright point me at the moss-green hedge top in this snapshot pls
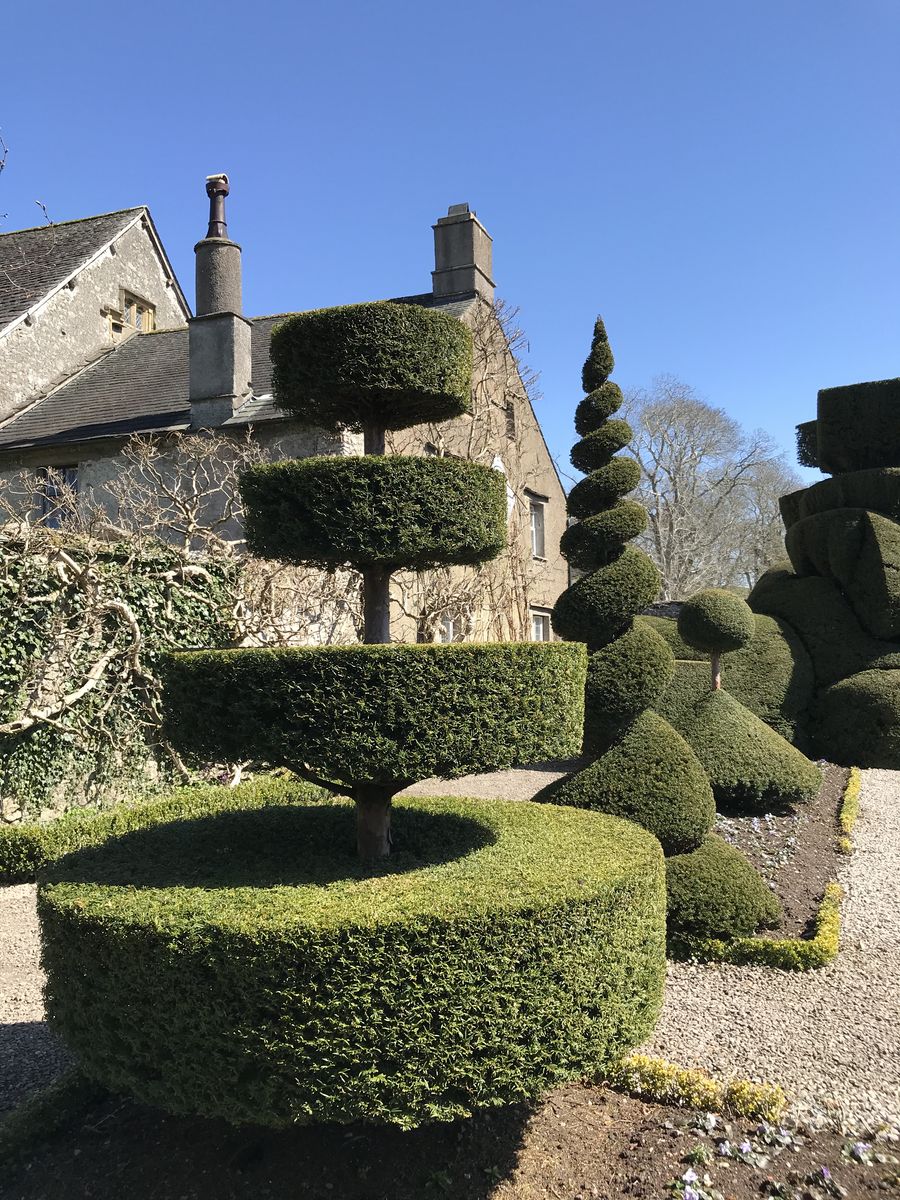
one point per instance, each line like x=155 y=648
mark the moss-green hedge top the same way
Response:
x=599 y=363
x=379 y=714
x=394 y=511
x=250 y=967
x=858 y=426
x=716 y=620
x=392 y=364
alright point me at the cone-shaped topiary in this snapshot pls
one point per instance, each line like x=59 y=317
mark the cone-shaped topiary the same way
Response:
x=374 y=719
x=645 y=770
x=714 y=892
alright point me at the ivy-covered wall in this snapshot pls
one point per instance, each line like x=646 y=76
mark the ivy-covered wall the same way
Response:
x=80 y=632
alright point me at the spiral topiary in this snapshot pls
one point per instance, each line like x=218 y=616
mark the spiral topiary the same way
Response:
x=643 y=769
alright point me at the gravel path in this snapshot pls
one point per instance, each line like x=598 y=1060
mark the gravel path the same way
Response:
x=830 y=1037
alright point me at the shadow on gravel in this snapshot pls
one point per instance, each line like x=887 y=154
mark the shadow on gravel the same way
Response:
x=31 y=1056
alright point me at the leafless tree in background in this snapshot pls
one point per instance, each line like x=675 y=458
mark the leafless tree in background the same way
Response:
x=710 y=488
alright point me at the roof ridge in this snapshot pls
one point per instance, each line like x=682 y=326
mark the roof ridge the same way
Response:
x=74 y=220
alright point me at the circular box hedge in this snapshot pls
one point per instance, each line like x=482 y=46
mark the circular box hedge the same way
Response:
x=395 y=511
x=379 y=714
x=243 y=967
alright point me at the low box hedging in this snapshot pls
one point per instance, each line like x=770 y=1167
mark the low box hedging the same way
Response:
x=858 y=426
x=603 y=487
x=784 y=954
x=27 y=847
x=503 y=948
x=663 y=1082
x=393 y=364
x=379 y=714
x=395 y=511
x=849 y=813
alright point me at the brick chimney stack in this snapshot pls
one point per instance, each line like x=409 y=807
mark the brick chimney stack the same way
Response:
x=219 y=335
x=463 y=259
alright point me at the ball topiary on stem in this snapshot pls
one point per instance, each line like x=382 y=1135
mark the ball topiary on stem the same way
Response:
x=716 y=621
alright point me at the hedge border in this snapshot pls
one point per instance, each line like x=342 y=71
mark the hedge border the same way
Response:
x=849 y=809
x=788 y=954
x=659 y=1081
x=27 y=847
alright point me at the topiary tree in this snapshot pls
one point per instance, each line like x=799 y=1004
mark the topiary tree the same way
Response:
x=269 y=975
x=749 y=764
x=374 y=719
x=642 y=769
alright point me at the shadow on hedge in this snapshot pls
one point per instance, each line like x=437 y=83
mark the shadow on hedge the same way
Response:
x=269 y=847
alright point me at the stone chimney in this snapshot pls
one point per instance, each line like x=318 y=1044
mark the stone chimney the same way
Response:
x=462 y=256
x=218 y=336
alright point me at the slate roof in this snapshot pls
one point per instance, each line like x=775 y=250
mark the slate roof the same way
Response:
x=35 y=261
x=141 y=386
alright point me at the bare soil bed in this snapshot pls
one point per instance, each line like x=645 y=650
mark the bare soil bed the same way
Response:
x=795 y=850
x=581 y=1143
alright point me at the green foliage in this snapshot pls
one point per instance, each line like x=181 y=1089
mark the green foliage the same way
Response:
x=858 y=426
x=602 y=488
x=877 y=490
x=394 y=511
x=860 y=551
x=598 y=407
x=750 y=766
x=27 y=847
x=243 y=967
x=379 y=714
x=599 y=363
x=715 y=621
x=650 y=776
x=597 y=607
x=772 y=676
x=808 y=444
x=824 y=622
x=392 y=364
x=105 y=743
x=858 y=720
x=590 y=543
x=595 y=450
x=714 y=892
x=784 y=954
x=623 y=679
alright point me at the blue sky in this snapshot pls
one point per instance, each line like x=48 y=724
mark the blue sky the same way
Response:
x=718 y=179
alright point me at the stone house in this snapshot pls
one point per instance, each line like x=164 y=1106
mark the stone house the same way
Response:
x=98 y=345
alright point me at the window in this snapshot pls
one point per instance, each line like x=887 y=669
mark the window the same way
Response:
x=137 y=313
x=540 y=625
x=57 y=490
x=453 y=628
x=536 y=508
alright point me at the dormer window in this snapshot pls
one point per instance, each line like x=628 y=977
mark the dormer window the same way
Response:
x=137 y=313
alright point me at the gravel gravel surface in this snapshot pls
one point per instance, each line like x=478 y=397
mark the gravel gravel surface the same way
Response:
x=30 y=1055
x=830 y=1037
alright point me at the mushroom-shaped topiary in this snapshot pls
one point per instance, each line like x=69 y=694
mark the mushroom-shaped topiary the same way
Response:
x=716 y=621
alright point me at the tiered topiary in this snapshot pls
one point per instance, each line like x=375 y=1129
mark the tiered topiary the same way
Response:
x=751 y=767
x=841 y=595
x=251 y=965
x=643 y=769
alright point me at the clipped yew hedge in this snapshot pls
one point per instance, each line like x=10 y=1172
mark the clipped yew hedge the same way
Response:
x=28 y=846
x=597 y=407
x=597 y=607
x=877 y=489
x=858 y=426
x=603 y=487
x=395 y=511
x=716 y=621
x=504 y=948
x=714 y=892
x=378 y=713
x=650 y=776
x=590 y=543
x=858 y=720
x=393 y=364
x=597 y=448
x=625 y=677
